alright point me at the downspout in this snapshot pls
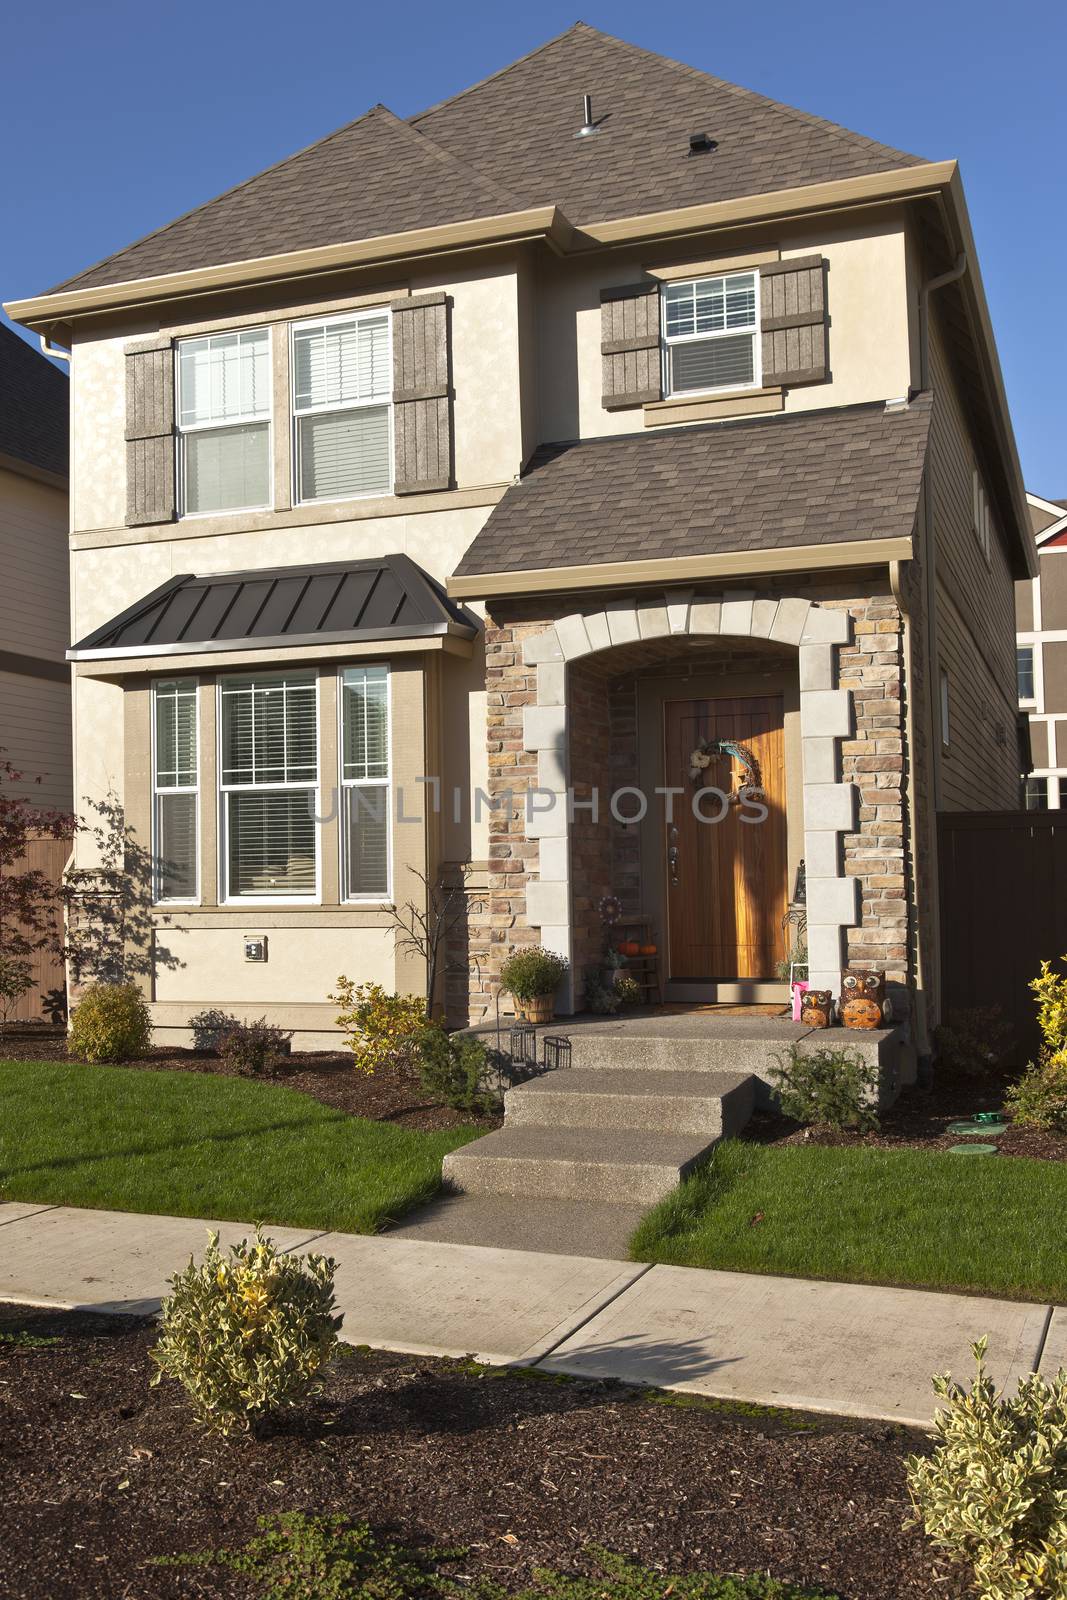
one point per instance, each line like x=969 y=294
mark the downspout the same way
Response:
x=922 y=1033
x=53 y=349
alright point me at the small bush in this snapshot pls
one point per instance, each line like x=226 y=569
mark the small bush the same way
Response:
x=254 y=1047
x=245 y=1335
x=453 y=1068
x=826 y=1086
x=629 y=991
x=527 y=974
x=974 y=1042
x=382 y=1028
x=601 y=997
x=1051 y=992
x=1039 y=1098
x=994 y=1492
x=110 y=1023
x=209 y=1026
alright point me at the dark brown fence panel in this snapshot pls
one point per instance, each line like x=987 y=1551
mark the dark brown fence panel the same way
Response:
x=50 y=856
x=1003 y=908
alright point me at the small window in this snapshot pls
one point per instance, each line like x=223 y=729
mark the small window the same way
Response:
x=981 y=519
x=224 y=409
x=269 y=771
x=710 y=334
x=945 y=724
x=342 y=407
x=1035 y=794
x=175 y=774
x=1024 y=670
x=365 y=781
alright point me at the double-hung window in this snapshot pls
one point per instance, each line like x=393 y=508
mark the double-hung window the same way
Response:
x=711 y=333
x=1024 y=670
x=342 y=406
x=269 y=771
x=365 y=782
x=175 y=801
x=224 y=410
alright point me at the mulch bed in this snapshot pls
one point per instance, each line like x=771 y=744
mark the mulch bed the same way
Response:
x=919 y=1121
x=98 y=1474
x=393 y=1094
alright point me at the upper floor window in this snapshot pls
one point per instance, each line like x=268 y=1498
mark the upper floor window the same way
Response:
x=269 y=772
x=175 y=787
x=224 y=409
x=342 y=402
x=710 y=334
x=1024 y=670
x=981 y=520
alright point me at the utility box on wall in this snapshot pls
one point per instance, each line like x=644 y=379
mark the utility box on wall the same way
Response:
x=255 y=947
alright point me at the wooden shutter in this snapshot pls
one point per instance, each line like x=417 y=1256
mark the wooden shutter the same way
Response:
x=149 y=433
x=422 y=412
x=630 y=345
x=793 y=321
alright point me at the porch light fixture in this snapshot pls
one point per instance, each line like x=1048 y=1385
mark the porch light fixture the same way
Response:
x=522 y=1044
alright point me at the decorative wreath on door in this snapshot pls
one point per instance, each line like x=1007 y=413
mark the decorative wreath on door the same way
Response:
x=748 y=783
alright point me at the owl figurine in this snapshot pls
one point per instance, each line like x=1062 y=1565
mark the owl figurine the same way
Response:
x=816 y=1008
x=863 y=1001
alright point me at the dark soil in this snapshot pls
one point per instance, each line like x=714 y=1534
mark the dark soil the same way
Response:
x=393 y=1094
x=99 y=1473
x=919 y=1121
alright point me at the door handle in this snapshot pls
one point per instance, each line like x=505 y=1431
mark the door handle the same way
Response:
x=672 y=857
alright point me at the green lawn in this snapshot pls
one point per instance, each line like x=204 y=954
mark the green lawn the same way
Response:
x=189 y=1144
x=939 y=1221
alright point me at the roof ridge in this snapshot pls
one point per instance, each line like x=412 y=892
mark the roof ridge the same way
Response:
x=502 y=72
x=224 y=194
x=493 y=190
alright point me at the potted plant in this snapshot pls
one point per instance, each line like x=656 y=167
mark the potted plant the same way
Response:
x=532 y=977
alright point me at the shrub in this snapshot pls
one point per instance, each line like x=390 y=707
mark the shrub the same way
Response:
x=994 y=1492
x=629 y=991
x=526 y=974
x=246 y=1334
x=110 y=1023
x=453 y=1068
x=209 y=1026
x=1039 y=1098
x=826 y=1086
x=601 y=997
x=254 y=1047
x=974 y=1041
x=1051 y=991
x=383 y=1028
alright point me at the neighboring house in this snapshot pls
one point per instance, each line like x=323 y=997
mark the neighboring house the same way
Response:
x=532 y=455
x=35 y=729
x=1041 y=655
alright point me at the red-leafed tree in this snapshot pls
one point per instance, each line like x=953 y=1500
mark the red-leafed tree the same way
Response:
x=31 y=904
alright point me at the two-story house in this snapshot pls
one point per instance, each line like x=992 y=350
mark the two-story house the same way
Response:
x=1041 y=656
x=612 y=499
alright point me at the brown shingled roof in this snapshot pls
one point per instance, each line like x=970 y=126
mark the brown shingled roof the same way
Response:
x=809 y=478
x=34 y=407
x=507 y=144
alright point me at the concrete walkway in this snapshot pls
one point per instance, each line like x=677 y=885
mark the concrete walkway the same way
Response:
x=844 y=1348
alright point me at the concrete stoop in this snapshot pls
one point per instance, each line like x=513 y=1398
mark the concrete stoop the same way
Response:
x=614 y=1135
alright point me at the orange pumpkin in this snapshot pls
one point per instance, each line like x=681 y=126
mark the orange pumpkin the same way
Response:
x=648 y=949
x=630 y=947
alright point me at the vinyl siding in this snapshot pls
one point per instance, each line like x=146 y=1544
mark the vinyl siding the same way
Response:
x=35 y=732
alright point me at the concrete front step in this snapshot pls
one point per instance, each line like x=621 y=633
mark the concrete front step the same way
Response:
x=716 y=1104
x=622 y=1165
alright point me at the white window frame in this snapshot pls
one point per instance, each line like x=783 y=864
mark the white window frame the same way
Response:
x=225 y=898
x=343 y=405
x=669 y=340
x=159 y=790
x=182 y=430
x=1024 y=644
x=385 y=899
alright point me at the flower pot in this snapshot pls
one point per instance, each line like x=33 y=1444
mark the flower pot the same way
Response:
x=539 y=1008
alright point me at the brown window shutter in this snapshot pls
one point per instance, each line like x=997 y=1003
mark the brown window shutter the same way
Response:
x=630 y=345
x=149 y=433
x=793 y=321
x=422 y=410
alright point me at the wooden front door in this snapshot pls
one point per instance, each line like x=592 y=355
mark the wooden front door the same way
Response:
x=726 y=886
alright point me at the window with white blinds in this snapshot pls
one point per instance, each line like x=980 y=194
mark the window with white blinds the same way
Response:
x=342 y=406
x=224 y=410
x=365 y=787
x=268 y=772
x=175 y=784
x=711 y=334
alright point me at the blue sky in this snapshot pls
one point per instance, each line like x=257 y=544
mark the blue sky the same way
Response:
x=120 y=116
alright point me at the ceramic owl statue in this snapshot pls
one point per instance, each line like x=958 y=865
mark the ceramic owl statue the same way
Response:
x=816 y=1008
x=863 y=1002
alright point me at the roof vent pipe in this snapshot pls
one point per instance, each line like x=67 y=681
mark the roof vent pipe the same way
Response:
x=588 y=126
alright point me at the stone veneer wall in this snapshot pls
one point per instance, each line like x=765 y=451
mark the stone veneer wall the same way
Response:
x=853 y=736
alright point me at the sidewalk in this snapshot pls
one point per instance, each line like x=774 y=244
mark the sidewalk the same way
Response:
x=850 y=1349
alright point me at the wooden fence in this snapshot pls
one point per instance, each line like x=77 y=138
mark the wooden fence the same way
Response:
x=1003 y=908
x=38 y=1004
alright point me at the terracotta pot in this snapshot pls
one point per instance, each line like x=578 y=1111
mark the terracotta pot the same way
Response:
x=648 y=949
x=539 y=1008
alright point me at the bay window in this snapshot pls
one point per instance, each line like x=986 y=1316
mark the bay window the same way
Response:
x=711 y=333
x=268 y=778
x=342 y=406
x=175 y=790
x=224 y=410
x=365 y=782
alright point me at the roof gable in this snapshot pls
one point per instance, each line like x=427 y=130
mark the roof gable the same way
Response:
x=34 y=408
